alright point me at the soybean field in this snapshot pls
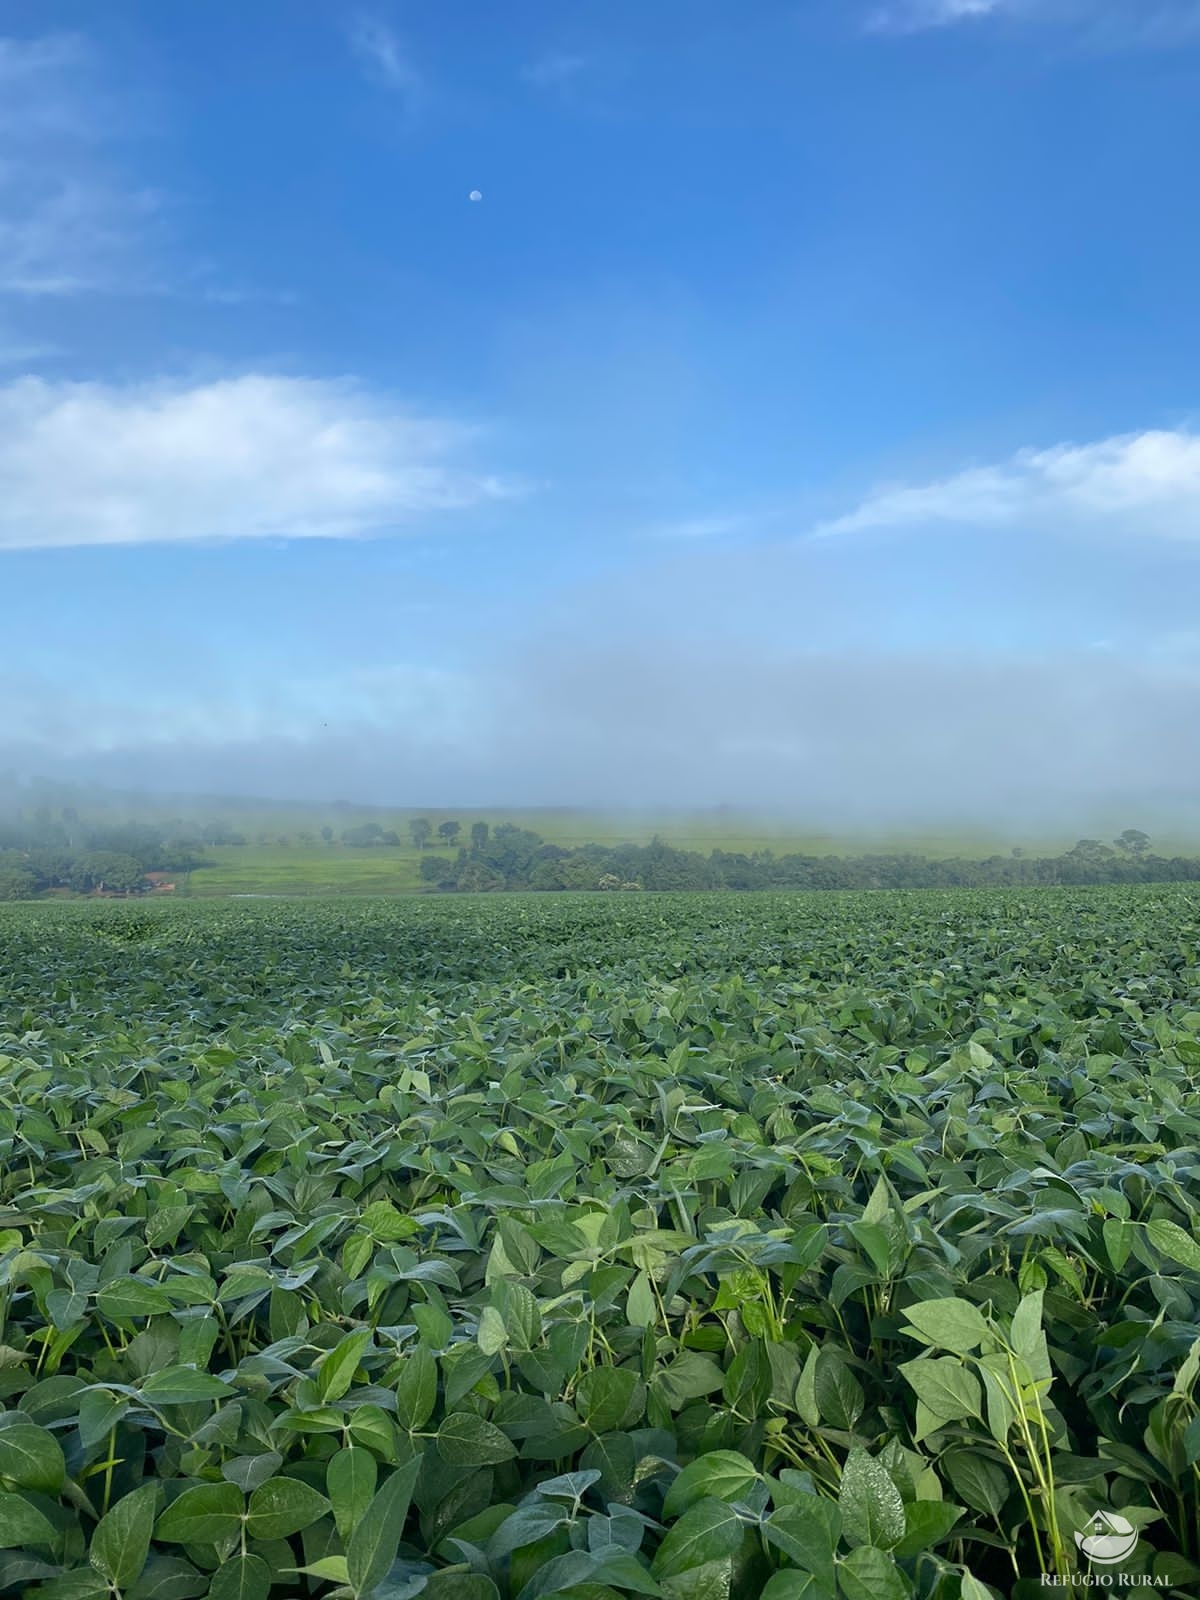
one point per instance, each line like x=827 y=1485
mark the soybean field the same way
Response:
x=811 y=1247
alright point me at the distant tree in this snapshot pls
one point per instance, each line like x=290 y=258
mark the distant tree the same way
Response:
x=16 y=883
x=327 y=834
x=450 y=831
x=1090 y=850
x=479 y=835
x=364 y=834
x=420 y=828
x=1134 y=842
x=106 y=869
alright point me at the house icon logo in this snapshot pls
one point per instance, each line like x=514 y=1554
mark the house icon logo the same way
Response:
x=1107 y=1538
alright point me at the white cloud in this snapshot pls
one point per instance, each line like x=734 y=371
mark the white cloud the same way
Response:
x=1103 y=24
x=1134 y=485
x=711 y=527
x=243 y=458
x=386 y=59
x=554 y=70
x=911 y=16
x=68 y=223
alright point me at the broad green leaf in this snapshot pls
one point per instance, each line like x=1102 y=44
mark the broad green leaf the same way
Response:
x=350 y=1481
x=22 y=1523
x=337 y=1369
x=719 y=1475
x=982 y=1483
x=204 y=1515
x=281 y=1507
x=179 y=1386
x=31 y=1458
x=373 y=1544
x=792 y=1585
x=948 y=1324
x=605 y=1396
x=807 y=1531
x=946 y=1388
x=467 y=1440
x=416 y=1389
x=121 y=1539
x=706 y=1532
x=926 y=1523
x=871 y=1574
x=242 y=1577
x=870 y=1503
x=127 y=1299
x=1171 y=1240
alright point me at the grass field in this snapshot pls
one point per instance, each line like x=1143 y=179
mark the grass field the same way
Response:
x=266 y=866
x=760 y=1247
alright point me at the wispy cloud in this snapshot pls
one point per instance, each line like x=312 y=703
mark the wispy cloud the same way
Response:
x=1103 y=24
x=556 y=69
x=385 y=58
x=912 y=16
x=244 y=458
x=705 y=527
x=69 y=222
x=1141 y=485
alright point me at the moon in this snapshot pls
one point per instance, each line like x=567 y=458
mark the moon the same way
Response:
x=475 y=194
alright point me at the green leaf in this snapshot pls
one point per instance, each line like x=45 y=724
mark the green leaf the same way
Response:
x=870 y=1574
x=383 y=1222
x=789 y=1585
x=926 y=1523
x=204 y=1515
x=169 y=1578
x=718 y=1475
x=242 y=1577
x=337 y=1369
x=283 y=1506
x=374 y=1543
x=492 y=1336
x=467 y=1440
x=181 y=1386
x=446 y=1585
x=706 y=1532
x=640 y=1305
x=248 y=1472
x=807 y=1530
x=128 y=1298
x=333 y=1569
x=80 y=1584
x=870 y=1503
x=350 y=1480
x=954 y=1325
x=99 y=1413
x=712 y=1581
x=416 y=1389
x=31 y=1458
x=121 y=1539
x=1171 y=1241
x=946 y=1389
x=525 y=1526
x=837 y=1392
x=983 y=1484
x=688 y=1377
x=605 y=1395
x=22 y=1523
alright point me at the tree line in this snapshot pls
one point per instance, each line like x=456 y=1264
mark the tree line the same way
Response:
x=509 y=857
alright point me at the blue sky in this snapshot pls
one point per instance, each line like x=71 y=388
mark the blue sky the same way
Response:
x=804 y=416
